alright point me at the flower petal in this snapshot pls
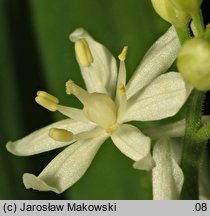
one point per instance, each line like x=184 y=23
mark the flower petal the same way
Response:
x=39 y=141
x=161 y=99
x=156 y=61
x=101 y=75
x=146 y=163
x=66 y=168
x=167 y=176
x=175 y=129
x=131 y=142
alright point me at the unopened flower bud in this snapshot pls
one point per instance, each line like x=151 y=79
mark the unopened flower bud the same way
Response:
x=188 y=6
x=168 y=12
x=207 y=32
x=194 y=63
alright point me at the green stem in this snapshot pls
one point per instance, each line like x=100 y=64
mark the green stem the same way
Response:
x=192 y=149
x=197 y=18
x=183 y=33
x=203 y=134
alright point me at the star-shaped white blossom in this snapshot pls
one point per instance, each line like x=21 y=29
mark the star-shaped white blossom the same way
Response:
x=108 y=103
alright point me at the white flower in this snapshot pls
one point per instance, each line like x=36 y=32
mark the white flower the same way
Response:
x=108 y=104
x=167 y=176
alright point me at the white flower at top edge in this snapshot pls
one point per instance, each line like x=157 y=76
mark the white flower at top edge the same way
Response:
x=108 y=103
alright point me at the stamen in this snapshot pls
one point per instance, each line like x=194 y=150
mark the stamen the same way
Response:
x=111 y=129
x=121 y=108
x=121 y=89
x=73 y=113
x=96 y=132
x=61 y=135
x=121 y=100
x=83 y=53
x=122 y=55
x=46 y=100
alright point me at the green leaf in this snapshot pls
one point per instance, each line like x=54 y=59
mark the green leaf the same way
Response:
x=17 y=118
x=9 y=126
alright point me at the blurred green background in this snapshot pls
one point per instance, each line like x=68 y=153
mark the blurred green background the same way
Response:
x=36 y=54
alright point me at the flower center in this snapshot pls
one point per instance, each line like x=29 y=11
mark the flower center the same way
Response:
x=98 y=107
x=112 y=128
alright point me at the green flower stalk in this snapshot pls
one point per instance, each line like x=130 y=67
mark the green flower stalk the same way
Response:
x=179 y=19
x=188 y=6
x=191 y=7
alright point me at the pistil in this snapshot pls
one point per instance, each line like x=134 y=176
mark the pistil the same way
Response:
x=98 y=107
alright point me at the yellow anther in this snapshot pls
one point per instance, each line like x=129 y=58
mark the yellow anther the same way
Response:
x=61 y=135
x=111 y=129
x=122 y=55
x=83 y=53
x=121 y=89
x=47 y=95
x=46 y=100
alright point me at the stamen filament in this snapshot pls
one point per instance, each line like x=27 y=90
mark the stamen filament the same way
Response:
x=61 y=135
x=121 y=101
x=96 y=132
x=46 y=100
x=121 y=108
x=121 y=89
x=121 y=98
x=73 y=113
